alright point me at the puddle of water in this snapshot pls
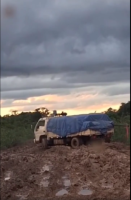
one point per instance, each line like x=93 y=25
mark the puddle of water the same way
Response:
x=62 y=192
x=67 y=183
x=8 y=176
x=45 y=168
x=85 y=192
x=45 y=181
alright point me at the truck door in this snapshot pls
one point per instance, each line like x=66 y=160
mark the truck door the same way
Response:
x=40 y=128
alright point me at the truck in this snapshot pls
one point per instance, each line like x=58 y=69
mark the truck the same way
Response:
x=73 y=130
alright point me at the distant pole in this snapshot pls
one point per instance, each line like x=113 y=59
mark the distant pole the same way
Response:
x=127 y=131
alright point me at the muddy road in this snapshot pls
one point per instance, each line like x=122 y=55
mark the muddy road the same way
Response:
x=90 y=172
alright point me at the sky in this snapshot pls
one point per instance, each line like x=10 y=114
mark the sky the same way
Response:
x=65 y=55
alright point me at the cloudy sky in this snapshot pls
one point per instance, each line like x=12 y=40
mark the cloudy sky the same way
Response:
x=71 y=55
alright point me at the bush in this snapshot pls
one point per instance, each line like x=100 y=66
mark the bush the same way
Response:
x=15 y=136
x=120 y=135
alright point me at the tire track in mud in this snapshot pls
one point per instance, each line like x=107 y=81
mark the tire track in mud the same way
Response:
x=28 y=172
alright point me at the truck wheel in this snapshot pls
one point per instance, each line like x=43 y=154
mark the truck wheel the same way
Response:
x=107 y=139
x=75 y=143
x=44 y=143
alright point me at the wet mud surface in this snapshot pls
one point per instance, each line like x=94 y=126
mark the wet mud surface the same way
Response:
x=60 y=172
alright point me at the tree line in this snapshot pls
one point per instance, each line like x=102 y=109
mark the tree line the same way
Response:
x=16 y=127
x=32 y=117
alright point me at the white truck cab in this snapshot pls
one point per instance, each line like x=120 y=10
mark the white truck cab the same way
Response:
x=40 y=129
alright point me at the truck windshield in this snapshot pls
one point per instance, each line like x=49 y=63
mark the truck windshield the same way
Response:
x=41 y=123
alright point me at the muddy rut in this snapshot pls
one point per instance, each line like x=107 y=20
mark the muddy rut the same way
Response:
x=90 y=172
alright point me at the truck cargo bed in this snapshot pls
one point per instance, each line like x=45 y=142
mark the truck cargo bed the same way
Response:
x=87 y=124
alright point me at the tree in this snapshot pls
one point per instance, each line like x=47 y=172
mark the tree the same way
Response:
x=124 y=109
x=44 y=111
x=14 y=112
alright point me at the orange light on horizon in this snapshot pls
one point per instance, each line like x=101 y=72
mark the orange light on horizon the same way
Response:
x=75 y=111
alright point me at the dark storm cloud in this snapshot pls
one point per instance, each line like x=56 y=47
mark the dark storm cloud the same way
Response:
x=24 y=94
x=76 y=49
x=51 y=37
x=117 y=90
x=64 y=82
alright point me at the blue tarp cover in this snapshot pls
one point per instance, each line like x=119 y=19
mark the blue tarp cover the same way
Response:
x=67 y=125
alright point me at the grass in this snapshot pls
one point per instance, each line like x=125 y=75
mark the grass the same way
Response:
x=15 y=137
x=17 y=132
x=120 y=135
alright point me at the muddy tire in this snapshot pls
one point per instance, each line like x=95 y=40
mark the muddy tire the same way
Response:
x=107 y=139
x=75 y=143
x=44 y=143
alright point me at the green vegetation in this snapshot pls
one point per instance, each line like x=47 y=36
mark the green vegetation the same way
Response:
x=16 y=128
x=120 y=117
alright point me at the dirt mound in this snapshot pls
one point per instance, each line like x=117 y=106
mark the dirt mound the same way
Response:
x=90 y=172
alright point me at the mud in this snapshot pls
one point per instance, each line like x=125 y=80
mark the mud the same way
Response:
x=29 y=172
